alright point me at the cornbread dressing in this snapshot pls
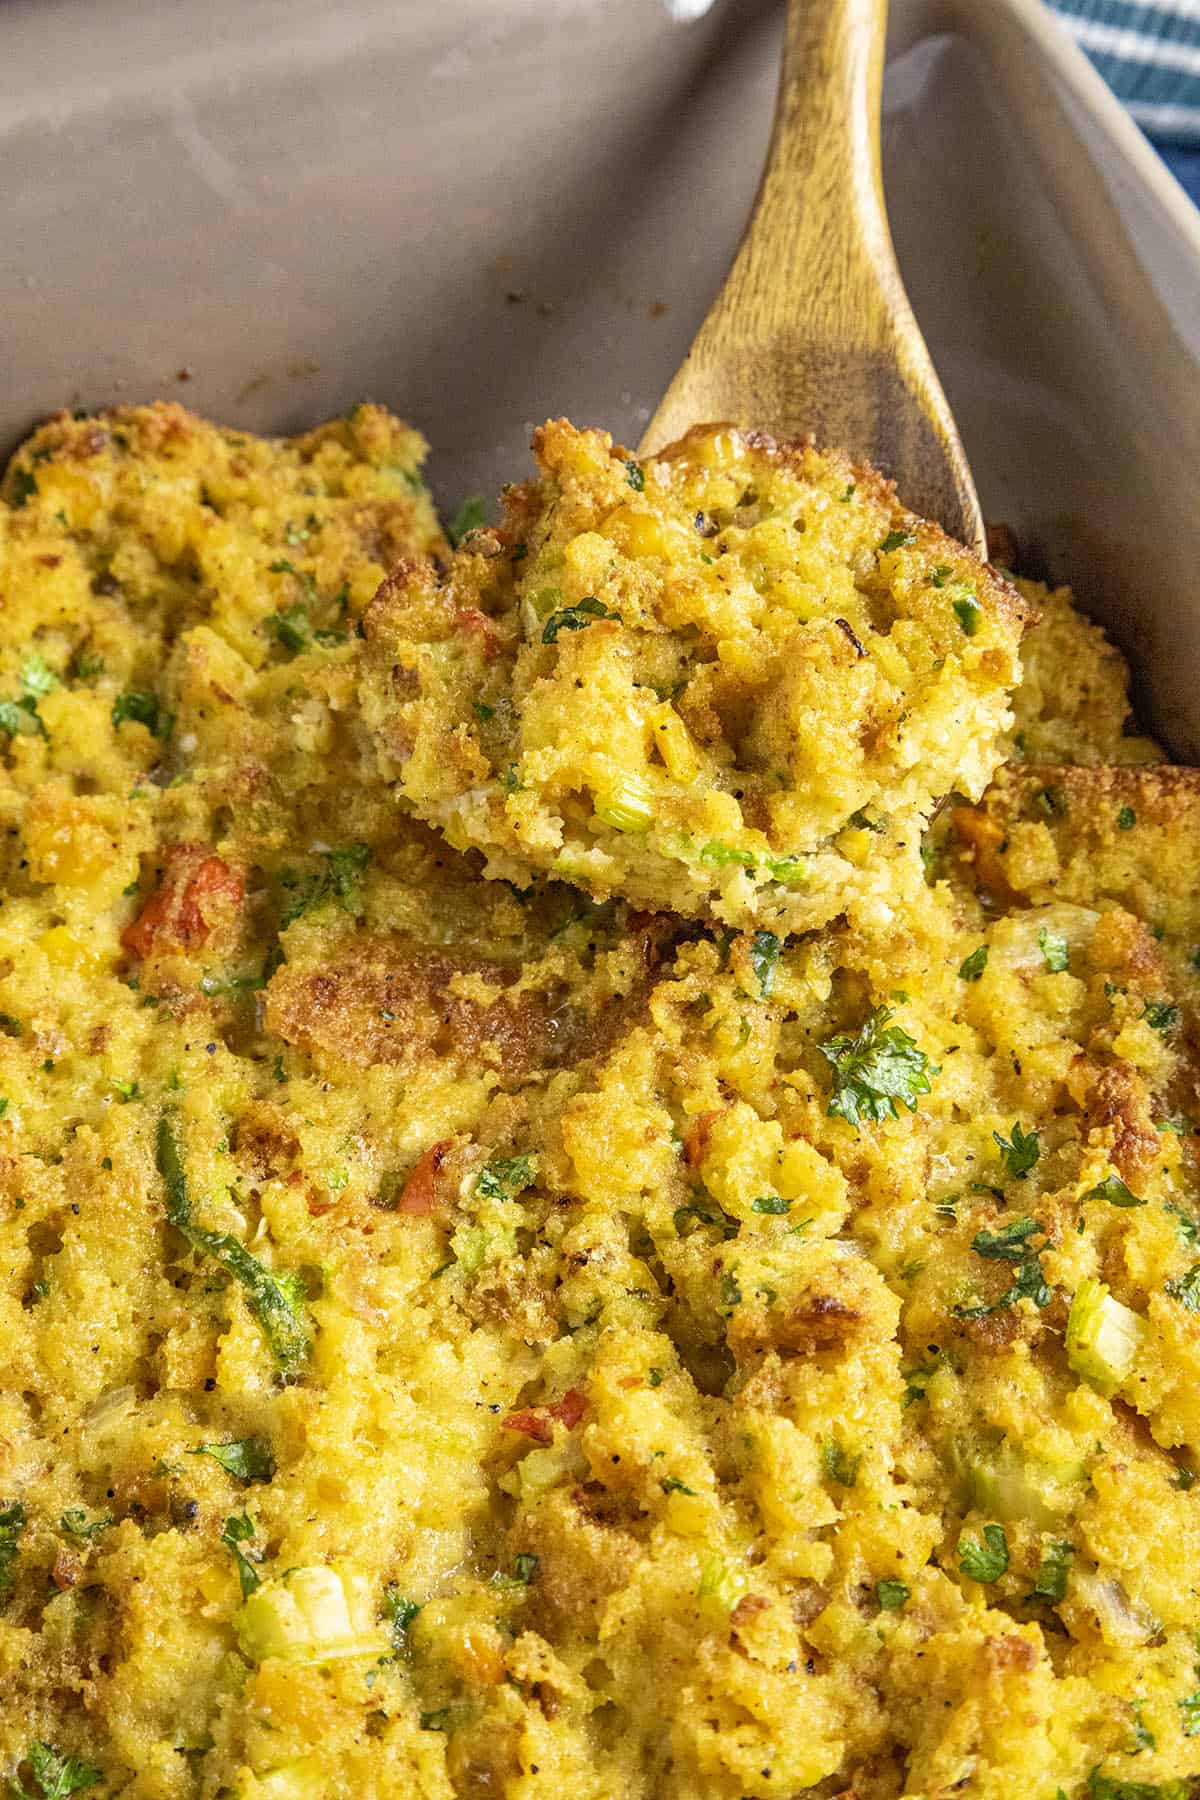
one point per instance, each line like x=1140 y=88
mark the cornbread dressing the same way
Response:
x=469 y=1333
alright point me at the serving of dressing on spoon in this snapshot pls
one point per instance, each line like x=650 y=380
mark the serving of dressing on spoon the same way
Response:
x=732 y=676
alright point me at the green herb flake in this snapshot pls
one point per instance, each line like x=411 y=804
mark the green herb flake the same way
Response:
x=969 y=613
x=1161 y=1016
x=941 y=575
x=505 y=1178
x=1008 y=1244
x=56 y=1776
x=1019 y=1153
x=1186 y=1289
x=1056 y=952
x=1126 y=819
x=575 y=618
x=774 y=1204
x=23 y=486
x=525 y=1567
x=1050 y=1582
x=839 y=1465
x=78 y=1524
x=972 y=967
x=291 y=628
x=984 y=1562
x=893 y=1596
x=654 y=1377
x=1189 y=1715
x=875 y=1069
x=671 y=1484
x=764 y=955
x=469 y=517
x=896 y=540
x=235 y=1532
x=1113 y=1189
x=247 y=1459
x=399 y=1614
x=144 y=708
x=12 y=1524
x=635 y=475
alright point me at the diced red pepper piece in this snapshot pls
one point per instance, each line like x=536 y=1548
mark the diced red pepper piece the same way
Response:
x=537 y=1422
x=419 y=1196
x=196 y=892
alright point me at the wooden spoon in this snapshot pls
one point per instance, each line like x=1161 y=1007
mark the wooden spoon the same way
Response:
x=812 y=331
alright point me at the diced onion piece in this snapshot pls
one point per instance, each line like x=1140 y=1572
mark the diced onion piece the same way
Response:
x=314 y=1615
x=628 y=806
x=1012 y=1487
x=299 y=1780
x=674 y=743
x=1103 y=1337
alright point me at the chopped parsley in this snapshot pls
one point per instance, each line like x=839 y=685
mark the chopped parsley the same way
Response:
x=1186 y=1289
x=1050 y=1582
x=339 y=883
x=12 y=1524
x=635 y=475
x=399 y=1614
x=671 y=1484
x=277 y=1301
x=987 y=1561
x=56 y=1776
x=23 y=486
x=1189 y=1715
x=248 y=1459
x=941 y=575
x=972 y=967
x=1056 y=952
x=1126 y=819
x=468 y=518
x=1161 y=1016
x=505 y=1178
x=873 y=1069
x=235 y=1532
x=838 y=1464
x=145 y=708
x=1113 y=1189
x=574 y=618
x=703 y=1212
x=771 y=1203
x=764 y=955
x=1008 y=1244
x=893 y=1596
x=77 y=1524
x=896 y=540
x=1019 y=1153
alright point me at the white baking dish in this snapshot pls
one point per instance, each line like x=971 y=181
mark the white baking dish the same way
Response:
x=484 y=211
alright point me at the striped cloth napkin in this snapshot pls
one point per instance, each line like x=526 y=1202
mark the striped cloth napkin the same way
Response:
x=1149 y=53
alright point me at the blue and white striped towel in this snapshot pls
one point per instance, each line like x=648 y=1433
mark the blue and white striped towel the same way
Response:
x=1149 y=53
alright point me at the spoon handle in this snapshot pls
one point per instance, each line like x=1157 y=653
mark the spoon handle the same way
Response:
x=816 y=264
